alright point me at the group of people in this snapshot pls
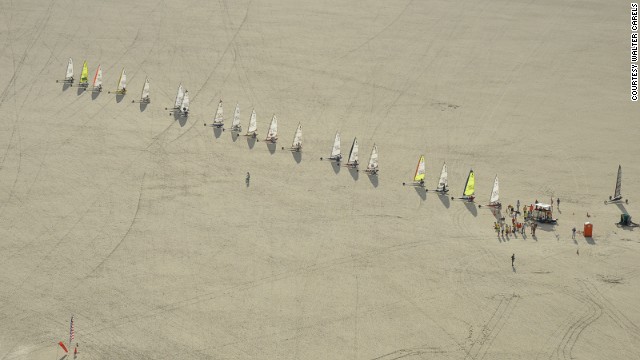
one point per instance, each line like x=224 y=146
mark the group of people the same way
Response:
x=502 y=227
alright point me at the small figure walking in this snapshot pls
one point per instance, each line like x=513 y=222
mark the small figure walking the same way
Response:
x=513 y=259
x=558 y=201
x=573 y=236
x=75 y=351
x=248 y=178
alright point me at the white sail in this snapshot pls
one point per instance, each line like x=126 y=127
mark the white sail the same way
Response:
x=185 y=103
x=179 y=97
x=145 y=91
x=353 y=154
x=297 y=139
x=219 y=118
x=253 y=124
x=122 y=83
x=373 y=160
x=617 y=194
x=335 y=151
x=443 y=183
x=97 y=79
x=272 y=135
x=235 y=125
x=495 y=193
x=69 y=76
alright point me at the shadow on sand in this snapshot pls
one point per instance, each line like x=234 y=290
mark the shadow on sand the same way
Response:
x=335 y=166
x=95 y=94
x=81 y=89
x=373 y=179
x=444 y=198
x=297 y=156
x=119 y=98
x=251 y=141
x=620 y=206
x=143 y=106
x=421 y=192
x=65 y=86
x=472 y=208
x=217 y=132
x=272 y=147
x=354 y=173
x=177 y=116
x=234 y=135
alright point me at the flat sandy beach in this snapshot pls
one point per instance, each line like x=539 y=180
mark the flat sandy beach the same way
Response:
x=141 y=226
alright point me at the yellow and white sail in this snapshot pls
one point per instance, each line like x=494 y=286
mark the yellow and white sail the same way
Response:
x=470 y=186
x=122 y=83
x=84 y=76
x=296 y=145
x=420 y=170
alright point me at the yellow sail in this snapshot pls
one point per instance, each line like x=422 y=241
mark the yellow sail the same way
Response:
x=84 y=77
x=420 y=170
x=470 y=188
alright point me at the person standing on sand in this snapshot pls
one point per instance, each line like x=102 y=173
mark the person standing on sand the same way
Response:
x=558 y=201
x=513 y=259
x=573 y=236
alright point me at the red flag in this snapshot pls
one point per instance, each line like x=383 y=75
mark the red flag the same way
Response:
x=63 y=347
